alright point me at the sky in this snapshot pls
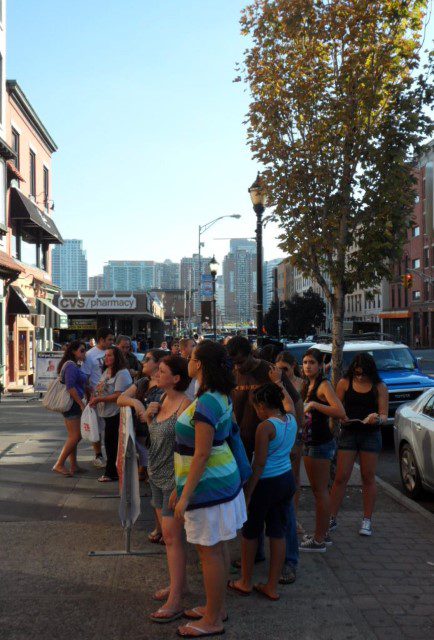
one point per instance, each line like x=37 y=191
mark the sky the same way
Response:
x=139 y=96
x=140 y=99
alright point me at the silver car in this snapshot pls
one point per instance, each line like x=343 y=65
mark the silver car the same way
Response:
x=414 y=443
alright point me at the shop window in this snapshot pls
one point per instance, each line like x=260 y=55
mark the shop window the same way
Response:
x=416 y=295
x=415 y=231
x=415 y=264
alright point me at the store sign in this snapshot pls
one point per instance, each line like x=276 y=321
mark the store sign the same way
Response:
x=46 y=368
x=82 y=324
x=96 y=303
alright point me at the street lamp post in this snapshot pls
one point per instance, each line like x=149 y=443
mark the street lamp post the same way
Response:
x=202 y=229
x=213 y=265
x=259 y=201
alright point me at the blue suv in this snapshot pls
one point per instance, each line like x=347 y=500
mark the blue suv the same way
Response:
x=397 y=366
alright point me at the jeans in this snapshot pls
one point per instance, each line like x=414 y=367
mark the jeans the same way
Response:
x=292 y=553
x=111 y=438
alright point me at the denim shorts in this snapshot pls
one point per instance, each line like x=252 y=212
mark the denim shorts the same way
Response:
x=160 y=500
x=73 y=412
x=325 y=451
x=360 y=440
x=269 y=504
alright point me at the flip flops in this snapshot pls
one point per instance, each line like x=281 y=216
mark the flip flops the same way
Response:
x=171 y=615
x=200 y=634
x=194 y=614
x=232 y=587
x=258 y=589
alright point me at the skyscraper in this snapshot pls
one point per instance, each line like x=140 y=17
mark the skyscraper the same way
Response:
x=129 y=275
x=269 y=284
x=190 y=278
x=167 y=275
x=239 y=276
x=69 y=266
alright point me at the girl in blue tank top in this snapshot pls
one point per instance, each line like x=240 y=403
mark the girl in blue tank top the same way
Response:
x=270 y=489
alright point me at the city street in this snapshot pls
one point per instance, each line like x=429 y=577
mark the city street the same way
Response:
x=361 y=588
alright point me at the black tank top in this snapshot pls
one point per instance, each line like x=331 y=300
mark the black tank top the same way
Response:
x=319 y=429
x=359 y=405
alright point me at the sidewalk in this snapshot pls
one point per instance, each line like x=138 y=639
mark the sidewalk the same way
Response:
x=362 y=588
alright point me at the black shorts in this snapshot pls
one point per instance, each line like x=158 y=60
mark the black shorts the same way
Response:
x=269 y=505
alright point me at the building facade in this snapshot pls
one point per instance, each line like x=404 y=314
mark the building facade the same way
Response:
x=96 y=283
x=239 y=276
x=269 y=282
x=408 y=311
x=189 y=276
x=69 y=266
x=129 y=275
x=30 y=316
x=168 y=275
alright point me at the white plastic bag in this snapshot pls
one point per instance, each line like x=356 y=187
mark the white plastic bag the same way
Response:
x=89 y=424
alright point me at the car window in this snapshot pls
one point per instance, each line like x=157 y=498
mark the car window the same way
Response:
x=428 y=409
x=385 y=359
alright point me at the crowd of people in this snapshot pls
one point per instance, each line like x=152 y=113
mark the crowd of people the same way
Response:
x=221 y=433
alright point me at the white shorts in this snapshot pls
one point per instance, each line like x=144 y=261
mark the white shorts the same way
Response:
x=210 y=525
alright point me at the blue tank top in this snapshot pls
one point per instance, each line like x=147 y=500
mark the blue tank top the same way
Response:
x=278 y=460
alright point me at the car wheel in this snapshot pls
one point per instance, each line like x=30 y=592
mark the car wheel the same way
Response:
x=410 y=476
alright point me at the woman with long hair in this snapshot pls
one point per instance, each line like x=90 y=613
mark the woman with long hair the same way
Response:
x=161 y=418
x=138 y=396
x=114 y=380
x=321 y=404
x=366 y=402
x=287 y=363
x=208 y=497
x=75 y=381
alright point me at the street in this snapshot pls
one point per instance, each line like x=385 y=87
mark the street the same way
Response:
x=360 y=589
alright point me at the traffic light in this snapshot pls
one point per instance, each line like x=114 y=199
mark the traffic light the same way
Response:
x=407 y=280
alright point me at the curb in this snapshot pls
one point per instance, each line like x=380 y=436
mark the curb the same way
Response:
x=401 y=499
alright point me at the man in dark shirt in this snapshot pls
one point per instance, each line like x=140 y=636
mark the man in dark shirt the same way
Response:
x=250 y=373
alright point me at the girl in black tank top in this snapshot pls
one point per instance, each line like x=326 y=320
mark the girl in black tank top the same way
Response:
x=321 y=404
x=365 y=398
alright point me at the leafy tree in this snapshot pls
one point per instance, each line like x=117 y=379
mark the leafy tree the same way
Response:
x=271 y=319
x=304 y=313
x=338 y=111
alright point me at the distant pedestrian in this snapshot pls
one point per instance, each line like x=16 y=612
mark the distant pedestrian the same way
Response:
x=174 y=348
x=134 y=345
x=134 y=366
x=186 y=346
x=366 y=403
x=320 y=404
x=115 y=380
x=93 y=366
x=75 y=382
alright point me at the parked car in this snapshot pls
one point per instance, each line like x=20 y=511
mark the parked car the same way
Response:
x=414 y=443
x=397 y=366
x=298 y=349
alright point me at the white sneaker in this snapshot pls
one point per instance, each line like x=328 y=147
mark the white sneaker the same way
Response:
x=366 y=528
x=99 y=462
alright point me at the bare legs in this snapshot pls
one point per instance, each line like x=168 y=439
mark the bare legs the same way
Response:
x=368 y=466
x=318 y=472
x=176 y=560
x=277 y=560
x=69 y=448
x=345 y=464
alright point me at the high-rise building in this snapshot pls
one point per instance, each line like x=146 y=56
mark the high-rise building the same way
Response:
x=129 y=275
x=220 y=297
x=69 y=266
x=239 y=276
x=167 y=275
x=269 y=282
x=190 y=279
x=96 y=283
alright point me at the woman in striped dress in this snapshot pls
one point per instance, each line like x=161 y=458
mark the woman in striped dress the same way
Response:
x=208 y=495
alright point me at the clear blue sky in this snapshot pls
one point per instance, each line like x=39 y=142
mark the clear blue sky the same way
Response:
x=139 y=97
x=138 y=94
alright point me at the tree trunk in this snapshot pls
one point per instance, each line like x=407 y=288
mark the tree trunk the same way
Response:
x=338 y=334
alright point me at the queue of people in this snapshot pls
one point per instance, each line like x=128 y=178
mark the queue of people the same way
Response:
x=198 y=409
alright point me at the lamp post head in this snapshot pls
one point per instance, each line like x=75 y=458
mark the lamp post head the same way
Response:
x=213 y=267
x=235 y=215
x=258 y=193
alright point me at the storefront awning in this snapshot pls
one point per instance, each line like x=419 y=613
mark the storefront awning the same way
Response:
x=18 y=303
x=61 y=315
x=8 y=266
x=14 y=171
x=395 y=315
x=36 y=223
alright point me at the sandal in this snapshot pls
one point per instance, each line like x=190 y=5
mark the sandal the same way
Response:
x=195 y=614
x=164 y=619
x=233 y=587
x=200 y=634
x=155 y=537
x=258 y=588
x=107 y=479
